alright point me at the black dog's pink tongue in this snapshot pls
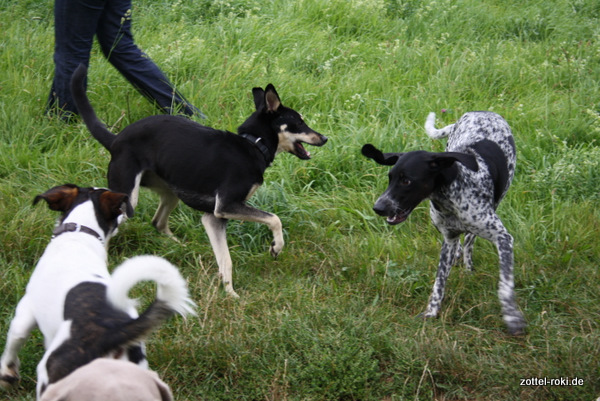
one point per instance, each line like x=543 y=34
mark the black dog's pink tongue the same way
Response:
x=301 y=152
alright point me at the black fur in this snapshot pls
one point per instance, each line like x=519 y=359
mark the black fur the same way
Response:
x=465 y=185
x=97 y=329
x=209 y=170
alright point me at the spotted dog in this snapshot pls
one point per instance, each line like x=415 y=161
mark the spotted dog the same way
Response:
x=212 y=171
x=84 y=312
x=465 y=184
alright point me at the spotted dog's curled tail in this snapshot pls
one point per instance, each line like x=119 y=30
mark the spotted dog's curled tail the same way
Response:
x=433 y=132
x=171 y=295
x=85 y=109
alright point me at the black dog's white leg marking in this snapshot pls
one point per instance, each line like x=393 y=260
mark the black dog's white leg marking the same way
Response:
x=241 y=211
x=168 y=202
x=216 y=228
x=447 y=256
x=20 y=329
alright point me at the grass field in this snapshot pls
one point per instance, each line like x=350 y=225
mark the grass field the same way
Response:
x=334 y=317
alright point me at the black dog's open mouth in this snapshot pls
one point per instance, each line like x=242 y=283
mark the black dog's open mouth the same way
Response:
x=399 y=217
x=300 y=152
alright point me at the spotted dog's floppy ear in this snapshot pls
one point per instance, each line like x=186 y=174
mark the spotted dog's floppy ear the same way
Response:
x=386 y=159
x=59 y=198
x=114 y=204
x=446 y=159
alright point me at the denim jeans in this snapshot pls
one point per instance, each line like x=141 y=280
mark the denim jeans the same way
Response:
x=76 y=23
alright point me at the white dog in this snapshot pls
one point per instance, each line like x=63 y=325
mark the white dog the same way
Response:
x=83 y=312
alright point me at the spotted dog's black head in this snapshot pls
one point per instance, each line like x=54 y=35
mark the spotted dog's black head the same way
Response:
x=413 y=178
x=108 y=207
x=281 y=128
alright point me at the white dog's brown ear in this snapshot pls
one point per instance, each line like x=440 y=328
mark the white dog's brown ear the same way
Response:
x=114 y=204
x=59 y=198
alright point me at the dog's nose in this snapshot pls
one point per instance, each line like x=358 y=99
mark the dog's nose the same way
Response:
x=379 y=210
x=383 y=205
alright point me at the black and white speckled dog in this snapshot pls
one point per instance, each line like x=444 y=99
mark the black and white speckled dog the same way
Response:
x=83 y=312
x=465 y=184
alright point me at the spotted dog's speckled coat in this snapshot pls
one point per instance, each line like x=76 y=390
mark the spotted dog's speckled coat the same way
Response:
x=464 y=197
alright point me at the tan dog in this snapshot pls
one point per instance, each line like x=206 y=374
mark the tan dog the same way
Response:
x=109 y=379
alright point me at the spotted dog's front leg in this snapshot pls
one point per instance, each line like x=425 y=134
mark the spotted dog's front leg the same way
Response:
x=447 y=256
x=468 y=251
x=513 y=318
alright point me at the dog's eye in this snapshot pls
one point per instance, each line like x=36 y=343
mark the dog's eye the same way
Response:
x=405 y=181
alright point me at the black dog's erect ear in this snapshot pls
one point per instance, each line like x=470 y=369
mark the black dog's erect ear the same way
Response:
x=266 y=100
x=114 y=204
x=259 y=98
x=386 y=159
x=446 y=159
x=59 y=198
x=272 y=98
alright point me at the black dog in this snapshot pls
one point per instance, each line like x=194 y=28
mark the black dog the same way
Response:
x=209 y=170
x=465 y=184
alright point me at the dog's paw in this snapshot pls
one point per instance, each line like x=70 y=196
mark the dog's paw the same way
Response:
x=516 y=326
x=276 y=248
x=425 y=315
x=231 y=292
x=8 y=379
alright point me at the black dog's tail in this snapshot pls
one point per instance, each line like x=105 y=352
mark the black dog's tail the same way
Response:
x=171 y=295
x=96 y=127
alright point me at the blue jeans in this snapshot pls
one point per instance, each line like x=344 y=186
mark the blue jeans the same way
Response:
x=76 y=23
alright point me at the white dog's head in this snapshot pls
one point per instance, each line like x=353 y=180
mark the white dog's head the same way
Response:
x=99 y=209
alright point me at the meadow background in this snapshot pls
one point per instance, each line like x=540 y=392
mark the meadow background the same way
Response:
x=334 y=317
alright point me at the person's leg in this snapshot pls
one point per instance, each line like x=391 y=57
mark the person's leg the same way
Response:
x=116 y=40
x=75 y=23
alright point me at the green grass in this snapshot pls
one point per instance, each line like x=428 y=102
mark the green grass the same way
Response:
x=334 y=317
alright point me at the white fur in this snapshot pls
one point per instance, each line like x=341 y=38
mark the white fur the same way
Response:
x=433 y=132
x=69 y=259
x=172 y=288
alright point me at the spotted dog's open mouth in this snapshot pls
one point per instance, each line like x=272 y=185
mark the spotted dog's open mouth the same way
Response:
x=399 y=216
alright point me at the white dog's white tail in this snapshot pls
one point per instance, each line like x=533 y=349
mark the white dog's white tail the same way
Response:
x=433 y=132
x=171 y=286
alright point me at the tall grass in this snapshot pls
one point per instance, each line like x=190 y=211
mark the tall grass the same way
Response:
x=334 y=317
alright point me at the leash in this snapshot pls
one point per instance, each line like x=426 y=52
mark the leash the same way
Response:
x=261 y=146
x=73 y=228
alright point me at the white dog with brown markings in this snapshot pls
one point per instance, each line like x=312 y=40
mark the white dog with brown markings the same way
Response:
x=82 y=310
